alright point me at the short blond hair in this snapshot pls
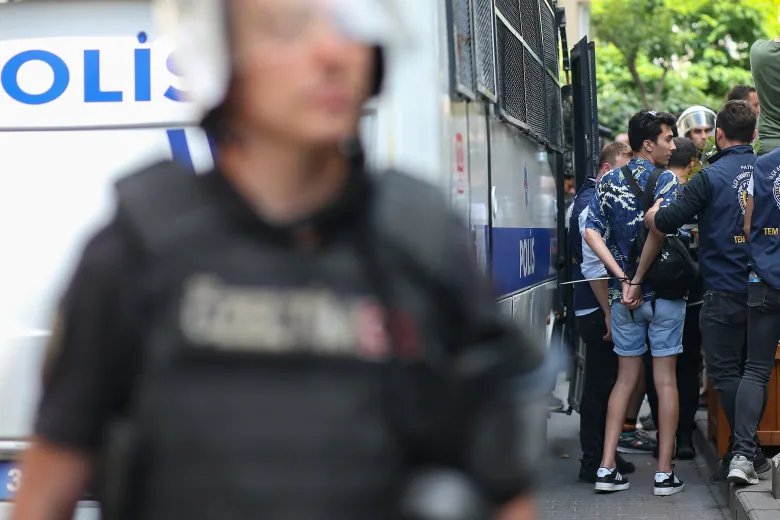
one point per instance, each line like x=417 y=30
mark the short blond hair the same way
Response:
x=612 y=151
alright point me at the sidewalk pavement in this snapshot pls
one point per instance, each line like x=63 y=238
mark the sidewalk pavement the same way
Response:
x=562 y=497
x=744 y=502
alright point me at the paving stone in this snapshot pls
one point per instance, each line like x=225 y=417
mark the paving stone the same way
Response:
x=562 y=497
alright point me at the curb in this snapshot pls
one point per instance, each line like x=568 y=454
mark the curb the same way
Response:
x=744 y=502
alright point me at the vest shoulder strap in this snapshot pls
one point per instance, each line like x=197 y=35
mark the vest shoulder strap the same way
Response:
x=161 y=203
x=413 y=218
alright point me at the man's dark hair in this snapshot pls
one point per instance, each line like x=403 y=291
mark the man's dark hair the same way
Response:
x=737 y=119
x=645 y=125
x=610 y=153
x=686 y=150
x=740 y=92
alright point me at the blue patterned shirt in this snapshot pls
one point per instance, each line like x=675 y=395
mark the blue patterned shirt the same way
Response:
x=617 y=214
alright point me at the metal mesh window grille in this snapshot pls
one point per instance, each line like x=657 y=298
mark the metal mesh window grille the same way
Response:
x=535 y=95
x=527 y=67
x=550 y=41
x=464 y=47
x=594 y=104
x=550 y=49
x=511 y=11
x=483 y=47
x=530 y=28
x=554 y=112
x=511 y=76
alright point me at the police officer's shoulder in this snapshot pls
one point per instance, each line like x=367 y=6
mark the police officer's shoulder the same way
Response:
x=408 y=192
x=161 y=183
x=414 y=215
x=105 y=251
x=768 y=162
x=160 y=203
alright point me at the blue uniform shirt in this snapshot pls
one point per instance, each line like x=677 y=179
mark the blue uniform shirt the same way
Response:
x=717 y=195
x=617 y=214
x=765 y=224
x=584 y=298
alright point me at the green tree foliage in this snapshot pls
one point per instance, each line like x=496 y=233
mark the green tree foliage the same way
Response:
x=671 y=54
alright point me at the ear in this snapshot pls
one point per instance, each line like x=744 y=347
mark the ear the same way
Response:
x=755 y=135
x=719 y=134
x=647 y=146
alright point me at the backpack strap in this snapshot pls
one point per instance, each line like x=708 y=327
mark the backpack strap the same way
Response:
x=652 y=181
x=644 y=196
x=635 y=189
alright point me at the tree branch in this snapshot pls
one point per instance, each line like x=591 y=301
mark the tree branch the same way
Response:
x=631 y=63
x=659 y=87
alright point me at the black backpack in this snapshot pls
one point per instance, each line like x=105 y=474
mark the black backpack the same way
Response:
x=673 y=272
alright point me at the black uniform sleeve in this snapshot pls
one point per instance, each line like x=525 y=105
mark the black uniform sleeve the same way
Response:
x=693 y=198
x=482 y=325
x=506 y=366
x=91 y=361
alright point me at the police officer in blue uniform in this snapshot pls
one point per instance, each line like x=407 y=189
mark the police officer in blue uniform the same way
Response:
x=762 y=223
x=718 y=195
x=286 y=336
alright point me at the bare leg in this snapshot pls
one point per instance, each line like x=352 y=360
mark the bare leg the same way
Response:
x=665 y=377
x=637 y=396
x=628 y=373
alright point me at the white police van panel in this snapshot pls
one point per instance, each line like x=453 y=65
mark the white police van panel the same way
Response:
x=88 y=93
x=498 y=179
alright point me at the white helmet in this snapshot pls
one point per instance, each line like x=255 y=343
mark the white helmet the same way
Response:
x=695 y=117
x=200 y=37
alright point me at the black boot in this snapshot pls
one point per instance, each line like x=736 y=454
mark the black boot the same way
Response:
x=685 y=449
x=625 y=467
x=588 y=471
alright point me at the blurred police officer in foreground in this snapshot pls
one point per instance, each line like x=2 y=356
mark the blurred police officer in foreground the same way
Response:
x=286 y=336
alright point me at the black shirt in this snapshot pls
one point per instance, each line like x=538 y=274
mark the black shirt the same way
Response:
x=95 y=357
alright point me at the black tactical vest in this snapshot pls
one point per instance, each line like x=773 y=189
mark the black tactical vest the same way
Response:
x=275 y=385
x=265 y=387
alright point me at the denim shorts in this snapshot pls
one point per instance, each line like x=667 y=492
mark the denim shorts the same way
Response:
x=662 y=327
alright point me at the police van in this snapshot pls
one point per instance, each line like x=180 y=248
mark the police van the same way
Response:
x=89 y=91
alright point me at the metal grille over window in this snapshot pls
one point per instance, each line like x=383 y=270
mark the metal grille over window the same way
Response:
x=511 y=77
x=464 y=48
x=550 y=48
x=484 y=53
x=535 y=95
x=530 y=28
x=593 y=97
x=549 y=41
x=554 y=115
x=510 y=9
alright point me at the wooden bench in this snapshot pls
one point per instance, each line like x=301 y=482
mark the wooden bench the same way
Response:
x=768 y=428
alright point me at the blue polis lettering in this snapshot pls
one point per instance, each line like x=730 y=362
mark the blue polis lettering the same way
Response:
x=93 y=93
x=10 y=80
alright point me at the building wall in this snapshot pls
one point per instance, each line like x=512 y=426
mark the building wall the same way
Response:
x=577 y=19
